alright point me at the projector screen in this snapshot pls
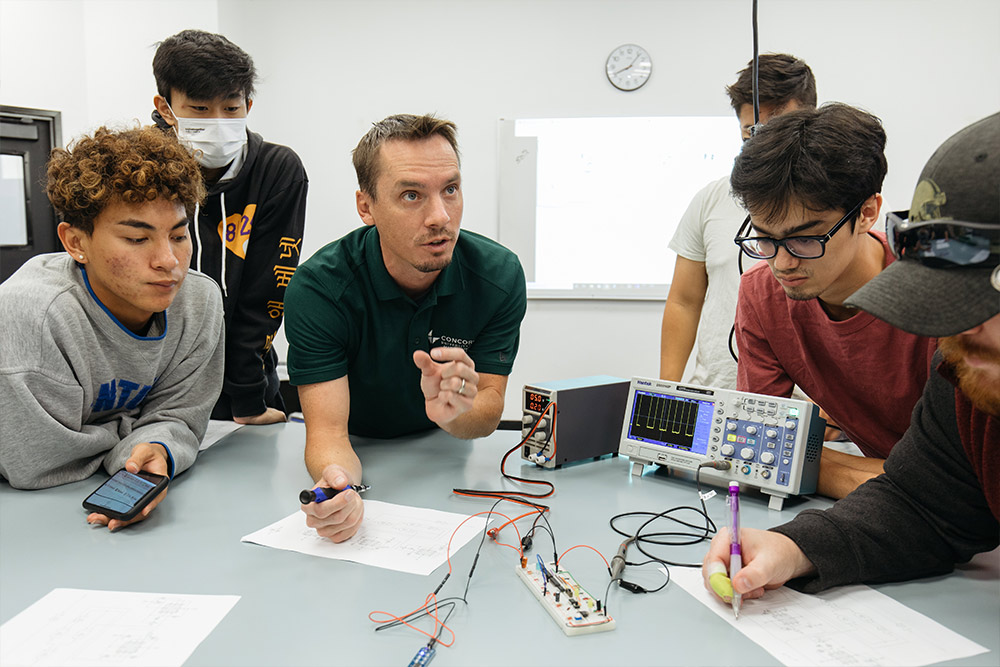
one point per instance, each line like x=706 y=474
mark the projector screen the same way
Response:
x=590 y=204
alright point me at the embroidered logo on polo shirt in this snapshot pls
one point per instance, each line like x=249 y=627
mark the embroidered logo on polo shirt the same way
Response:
x=448 y=341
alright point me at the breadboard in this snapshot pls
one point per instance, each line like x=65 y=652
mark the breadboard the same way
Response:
x=575 y=619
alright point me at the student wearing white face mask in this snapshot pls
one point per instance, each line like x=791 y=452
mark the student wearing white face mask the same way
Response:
x=248 y=233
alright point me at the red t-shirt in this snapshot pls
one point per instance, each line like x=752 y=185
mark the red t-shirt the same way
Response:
x=865 y=373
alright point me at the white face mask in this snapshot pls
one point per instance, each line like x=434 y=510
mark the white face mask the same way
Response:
x=214 y=142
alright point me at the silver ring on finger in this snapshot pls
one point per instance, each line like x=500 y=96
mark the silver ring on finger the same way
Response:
x=462 y=388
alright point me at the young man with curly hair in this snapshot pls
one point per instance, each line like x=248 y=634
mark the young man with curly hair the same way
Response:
x=111 y=353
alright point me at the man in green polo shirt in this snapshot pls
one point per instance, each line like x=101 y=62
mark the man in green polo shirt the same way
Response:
x=403 y=324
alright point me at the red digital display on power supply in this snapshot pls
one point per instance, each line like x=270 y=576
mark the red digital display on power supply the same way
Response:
x=535 y=401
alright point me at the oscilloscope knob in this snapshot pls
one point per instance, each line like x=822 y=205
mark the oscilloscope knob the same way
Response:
x=727 y=450
x=771 y=433
x=789 y=424
x=767 y=458
x=747 y=453
x=731 y=426
x=751 y=430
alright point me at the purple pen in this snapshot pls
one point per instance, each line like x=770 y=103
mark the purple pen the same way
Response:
x=735 y=553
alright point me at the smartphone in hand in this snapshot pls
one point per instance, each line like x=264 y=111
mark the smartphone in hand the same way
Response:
x=125 y=494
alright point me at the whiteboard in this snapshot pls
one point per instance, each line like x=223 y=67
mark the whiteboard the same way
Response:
x=590 y=204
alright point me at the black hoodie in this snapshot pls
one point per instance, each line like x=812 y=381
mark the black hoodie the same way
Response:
x=265 y=208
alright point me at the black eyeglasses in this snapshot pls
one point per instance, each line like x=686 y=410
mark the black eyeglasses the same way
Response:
x=803 y=247
x=942 y=243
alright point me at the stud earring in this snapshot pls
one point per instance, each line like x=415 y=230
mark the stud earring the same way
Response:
x=81 y=256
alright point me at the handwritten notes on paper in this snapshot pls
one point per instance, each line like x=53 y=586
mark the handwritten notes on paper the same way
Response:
x=396 y=537
x=71 y=627
x=851 y=625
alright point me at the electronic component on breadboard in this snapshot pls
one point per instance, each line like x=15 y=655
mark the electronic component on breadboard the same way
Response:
x=573 y=609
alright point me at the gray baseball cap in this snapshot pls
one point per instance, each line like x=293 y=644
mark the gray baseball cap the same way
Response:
x=923 y=292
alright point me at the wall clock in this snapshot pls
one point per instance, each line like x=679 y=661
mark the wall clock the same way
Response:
x=628 y=67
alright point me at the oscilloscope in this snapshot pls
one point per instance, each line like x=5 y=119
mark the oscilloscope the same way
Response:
x=770 y=443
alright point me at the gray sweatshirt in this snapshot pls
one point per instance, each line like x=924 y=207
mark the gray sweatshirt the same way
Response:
x=79 y=389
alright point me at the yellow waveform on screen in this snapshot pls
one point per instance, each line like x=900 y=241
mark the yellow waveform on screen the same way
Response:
x=669 y=415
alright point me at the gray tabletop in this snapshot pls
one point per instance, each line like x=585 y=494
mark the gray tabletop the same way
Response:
x=298 y=610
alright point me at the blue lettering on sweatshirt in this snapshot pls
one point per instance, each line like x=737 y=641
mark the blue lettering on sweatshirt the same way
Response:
x=119 y=393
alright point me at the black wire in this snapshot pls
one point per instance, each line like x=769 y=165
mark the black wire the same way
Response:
x=756 y=98
x=607 y=595
x=519 y=496
x=424 y=611
x=704 y=532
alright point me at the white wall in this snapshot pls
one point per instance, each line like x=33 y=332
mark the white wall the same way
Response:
x=926 y=67
x=90 y=60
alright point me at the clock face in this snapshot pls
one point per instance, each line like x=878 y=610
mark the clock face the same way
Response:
x=629 y=67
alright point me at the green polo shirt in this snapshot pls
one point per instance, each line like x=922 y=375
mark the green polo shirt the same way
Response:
x=345 y=315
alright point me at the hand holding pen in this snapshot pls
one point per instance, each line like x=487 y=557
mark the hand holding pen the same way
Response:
x=334 y=507
x=713 y=570
x=323 y=493
x=767 y=560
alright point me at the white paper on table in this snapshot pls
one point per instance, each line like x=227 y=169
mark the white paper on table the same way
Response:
x=850 y=625
x=396 y=537
x=71 y=627
x=217 y=430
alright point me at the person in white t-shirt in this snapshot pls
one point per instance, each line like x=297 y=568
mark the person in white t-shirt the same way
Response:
x=701 y=304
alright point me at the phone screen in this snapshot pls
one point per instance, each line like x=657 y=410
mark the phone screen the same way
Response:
x=121 y=492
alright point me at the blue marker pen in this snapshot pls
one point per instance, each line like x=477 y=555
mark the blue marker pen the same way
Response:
x=322 y=493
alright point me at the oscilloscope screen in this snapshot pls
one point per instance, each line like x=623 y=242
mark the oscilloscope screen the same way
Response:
x=680 y=423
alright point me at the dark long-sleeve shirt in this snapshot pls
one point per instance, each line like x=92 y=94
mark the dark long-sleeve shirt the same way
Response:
x=937 y=504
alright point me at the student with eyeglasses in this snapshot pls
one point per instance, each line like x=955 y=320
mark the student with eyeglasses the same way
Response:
x=938 y=502
x=811 y=180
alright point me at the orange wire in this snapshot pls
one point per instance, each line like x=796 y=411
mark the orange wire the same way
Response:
x=501 y=527
x=438 y=624
x=432 y=598
x=585 y=546
x=483 y=495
